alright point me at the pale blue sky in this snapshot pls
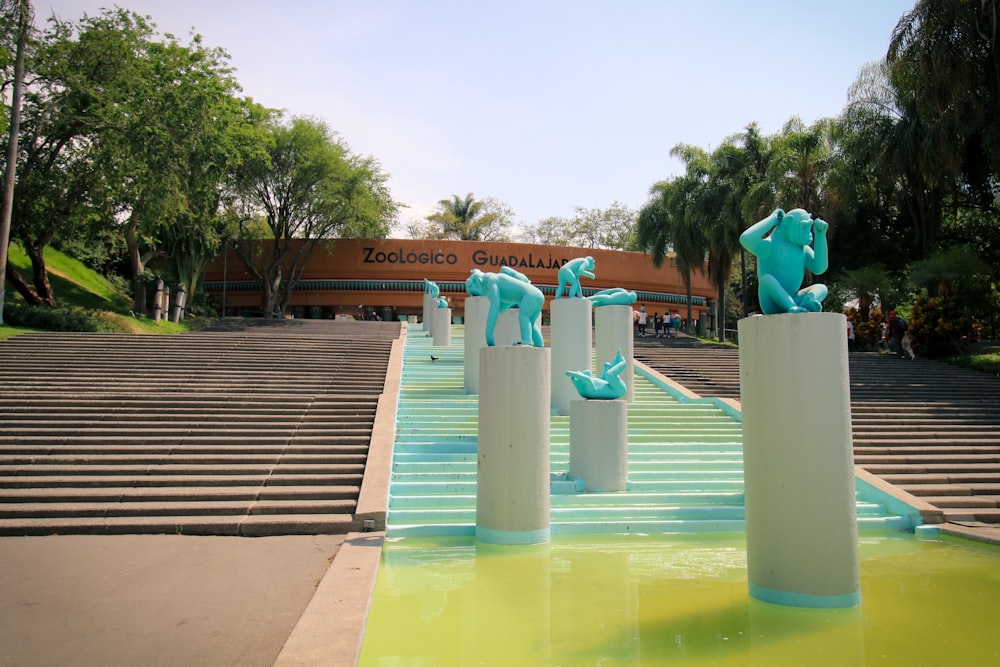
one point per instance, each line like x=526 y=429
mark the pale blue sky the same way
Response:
x=544 y=105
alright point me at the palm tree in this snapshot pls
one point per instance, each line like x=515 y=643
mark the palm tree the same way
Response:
x=944 y=66
x=463 y=219
x=662 y=227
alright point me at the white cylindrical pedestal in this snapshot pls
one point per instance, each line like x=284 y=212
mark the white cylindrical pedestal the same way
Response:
x=572 y=346
x=442 y=327
x=598 y=444
x=512 y=488
x=429 y=304
x=508 y=328
x=613 y=326
x=477 y=308
x=801 y=516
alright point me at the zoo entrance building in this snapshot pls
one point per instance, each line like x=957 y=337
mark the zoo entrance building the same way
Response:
x=352 y=278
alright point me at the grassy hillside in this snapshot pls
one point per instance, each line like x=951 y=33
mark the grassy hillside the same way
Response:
x=79 y=287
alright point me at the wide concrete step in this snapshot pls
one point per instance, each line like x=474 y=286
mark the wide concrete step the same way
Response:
x=180 y=480
x=177 y=508
x=260 y=525
x=111 y=494
x=8 y=460
x=45 y=449
x=204 y=433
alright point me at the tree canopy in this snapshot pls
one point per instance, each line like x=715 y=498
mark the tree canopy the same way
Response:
x=308 y=188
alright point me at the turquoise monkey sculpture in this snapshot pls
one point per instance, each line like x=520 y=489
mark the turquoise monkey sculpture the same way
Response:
x=505 y=290
x=607 y=387
x=431 y=288
x=570 y=273
x=797 y=242
x=615 y=296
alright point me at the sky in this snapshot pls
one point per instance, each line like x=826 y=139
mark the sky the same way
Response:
x=545 y=105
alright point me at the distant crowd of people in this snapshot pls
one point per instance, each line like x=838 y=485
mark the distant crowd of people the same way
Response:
x=664 y=326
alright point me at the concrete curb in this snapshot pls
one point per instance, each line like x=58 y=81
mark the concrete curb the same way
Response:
x=373 y=499
x=331 y=630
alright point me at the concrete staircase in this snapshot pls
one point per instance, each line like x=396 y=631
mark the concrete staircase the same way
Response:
x=250 y=431
x=685 y=466
x=707 y=370
x=930 y=429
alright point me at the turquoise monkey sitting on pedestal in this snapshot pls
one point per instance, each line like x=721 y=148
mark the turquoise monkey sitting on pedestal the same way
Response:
x=569 y=276
x=431 y=288
x=784 y=256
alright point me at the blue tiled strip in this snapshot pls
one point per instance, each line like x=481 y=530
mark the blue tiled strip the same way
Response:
x=493 y=536
x=805 y=599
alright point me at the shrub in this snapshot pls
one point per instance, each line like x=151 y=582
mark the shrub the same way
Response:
x=942 y=327
x=866 y=333
x=53 y=319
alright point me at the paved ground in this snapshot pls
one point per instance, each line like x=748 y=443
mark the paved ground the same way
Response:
x=155 y=599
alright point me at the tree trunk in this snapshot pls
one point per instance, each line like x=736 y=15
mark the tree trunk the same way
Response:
x=22 y=286
x=687 y=287
x=7 y=206
x=136 y=265
x=39 y=274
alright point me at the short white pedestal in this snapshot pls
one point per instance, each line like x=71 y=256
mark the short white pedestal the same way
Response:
x=598 y=444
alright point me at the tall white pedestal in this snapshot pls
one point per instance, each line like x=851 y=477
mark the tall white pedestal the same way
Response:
x=429 y=304
x=572 y=346
x=613 y=326
x=801 y=517
x=598 y=444
x=512 y=488
x=477 y=308
x=441 y=332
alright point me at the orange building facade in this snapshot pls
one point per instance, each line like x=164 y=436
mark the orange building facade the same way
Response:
x=359 y=278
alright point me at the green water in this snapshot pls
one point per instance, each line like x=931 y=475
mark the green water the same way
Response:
x=674 y=600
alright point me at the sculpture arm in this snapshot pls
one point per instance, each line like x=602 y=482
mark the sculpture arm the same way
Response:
x=819 y=260
x=492 y=291
x=753 y=238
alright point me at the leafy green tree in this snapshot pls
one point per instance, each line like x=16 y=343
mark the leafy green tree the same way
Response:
x=181 y=146
x=869 y=285
x=612 y=228
x=870 y=179
x=945 y=59
x=308 y=189
x=80 y=77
